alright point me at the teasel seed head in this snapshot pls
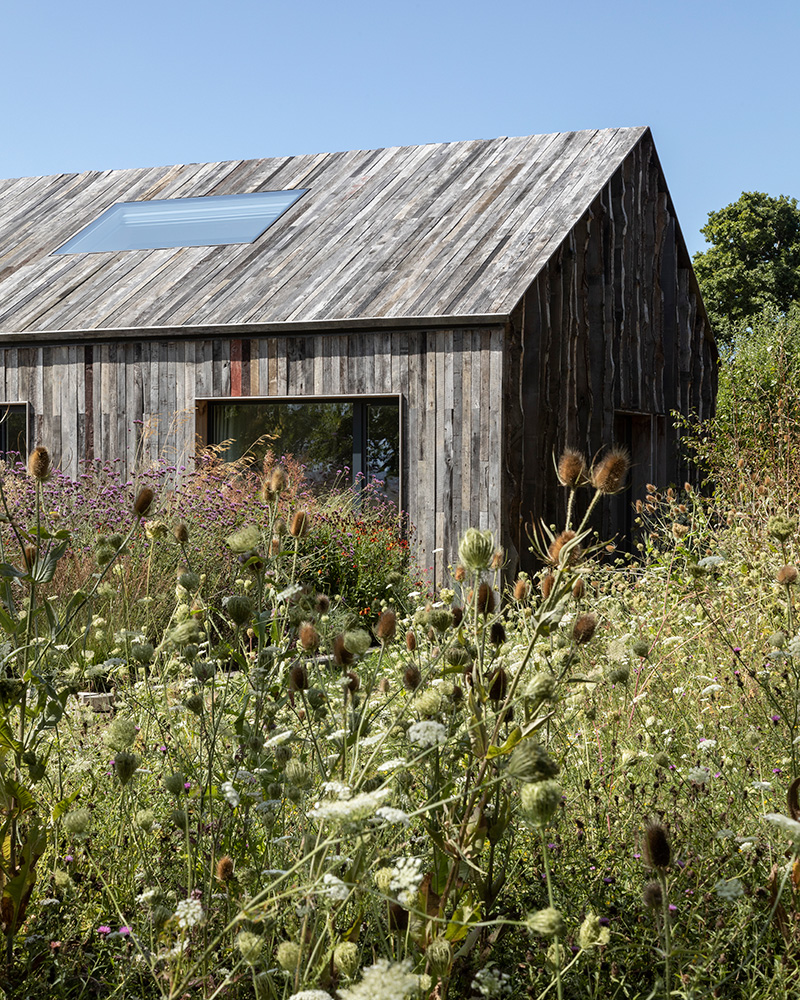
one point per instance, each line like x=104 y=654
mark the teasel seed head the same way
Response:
x=458 y=615
x=571 y=468
x=384 y=685
x=608 y=475
x=584 y=627
x=411 y=641
x=498 y=685
x=301 y=524
x=497 y=634
x=29 y=553
x=309 y=637
x=558 y=543
x=298 y=677
x=657 y=852
x=460 y=574
x=485 y=599
x=323 y=604
x=578 y=589
x=412 y=678
x=39 y=464
x=497 y=560
x=652 y=896
x=143 y=502
x=278 y=480
x=181 y=533
x=522 y=589
x=224 y=869
x=352 y=682
x=341 y=654
x=546 y=585
x=387 y=626
x=787 y=575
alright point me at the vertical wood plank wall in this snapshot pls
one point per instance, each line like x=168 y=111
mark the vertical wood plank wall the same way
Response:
x=128 y=402
x=612 y=326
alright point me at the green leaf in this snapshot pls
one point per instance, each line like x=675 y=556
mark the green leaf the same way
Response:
x=44 y=569
x=63 y=805
x=513 y=738
x=7 y=623
x=6 y=569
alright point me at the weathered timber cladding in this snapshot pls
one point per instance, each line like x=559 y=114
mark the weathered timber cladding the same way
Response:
x=139 y=400
x=611 y=331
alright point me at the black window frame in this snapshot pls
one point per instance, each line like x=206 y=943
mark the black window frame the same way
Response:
x=19 y=408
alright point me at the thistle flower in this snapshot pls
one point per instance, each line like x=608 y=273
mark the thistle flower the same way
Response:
x=584 y=627
x=387 y=626
x=578 y=589
x=300 y=525
x=323 y=604
x=571 y=468
x=657 y=851
x=225 y=869
x=459 y=574
x=351 y=682
x=476 y=550
x=143 y=501
x=39 y=464
x=608 y=475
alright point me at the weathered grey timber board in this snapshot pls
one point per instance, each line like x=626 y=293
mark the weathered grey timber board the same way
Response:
x=383 y=233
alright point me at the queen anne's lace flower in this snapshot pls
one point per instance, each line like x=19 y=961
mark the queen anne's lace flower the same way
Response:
x=406 y=877
x=427 y=733
x=188 y=912
x=729 y=888
x=352 y=810
x=334 y=888
x=393 y=815
x=786 y=825
x=382 y=981
x=311 y=995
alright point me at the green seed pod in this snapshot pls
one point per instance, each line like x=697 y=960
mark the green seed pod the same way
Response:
x=142 y=652
x=144 y=819
x=540 y=801
x=346 y=958
x=126 y=764
x=189 y=581
x=195 y=704
x=179 y=818
x=250 y=946
x=641 y=648
x=76 y=821
x=439 y=957
x=289 y=955
x=121 y=734
x=174 y=783
x=531 y=762
x=357 y=642
x=239 y=609
x=476 y=550
x=298 y=774
x=440 y=619
x=203 y=670
x=458 y=656
x=187 y=632
x=548 y=922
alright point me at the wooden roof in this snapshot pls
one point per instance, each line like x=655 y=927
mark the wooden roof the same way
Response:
x=446 y=230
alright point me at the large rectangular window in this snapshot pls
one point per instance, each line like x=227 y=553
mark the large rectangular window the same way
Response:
x=14 y=429
x=347 y=439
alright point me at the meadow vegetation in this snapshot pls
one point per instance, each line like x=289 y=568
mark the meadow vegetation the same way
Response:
x=320 y=780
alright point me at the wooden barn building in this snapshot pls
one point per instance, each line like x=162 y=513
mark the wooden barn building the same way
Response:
x=443 y=317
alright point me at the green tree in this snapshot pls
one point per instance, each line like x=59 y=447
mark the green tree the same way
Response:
x=753 y=261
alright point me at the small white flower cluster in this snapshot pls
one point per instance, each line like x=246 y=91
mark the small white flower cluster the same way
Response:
x=793 y=646
x=406 y=877
x=698 y=775
x=311 y=995
x=383 y=981
x=427 y=733
x=189 y=913
x=786 y=825
x=391 y=815
x=230 y=793
x=491 y=982
x=334 y=888
x=352 y=810
x=729 y=888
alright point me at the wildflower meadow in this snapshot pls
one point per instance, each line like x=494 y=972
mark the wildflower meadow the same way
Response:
x=245 y=752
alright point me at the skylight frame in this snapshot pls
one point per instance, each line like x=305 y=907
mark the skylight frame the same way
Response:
x=173 y=223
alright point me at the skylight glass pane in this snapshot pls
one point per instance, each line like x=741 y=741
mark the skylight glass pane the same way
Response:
x=212 y=221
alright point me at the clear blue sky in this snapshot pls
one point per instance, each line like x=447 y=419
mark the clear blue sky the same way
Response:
x=95 y=85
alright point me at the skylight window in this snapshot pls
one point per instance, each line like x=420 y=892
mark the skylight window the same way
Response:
x=215 y=220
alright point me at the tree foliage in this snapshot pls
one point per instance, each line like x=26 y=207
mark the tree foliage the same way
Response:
x=753 y=261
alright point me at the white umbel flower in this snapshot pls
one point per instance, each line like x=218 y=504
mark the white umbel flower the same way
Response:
x=427 y=733
x=786 y=825
x=189 y=913
x=383 y=981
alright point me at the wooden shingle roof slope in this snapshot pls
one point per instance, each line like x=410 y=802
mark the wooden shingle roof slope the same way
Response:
x=438 y=231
